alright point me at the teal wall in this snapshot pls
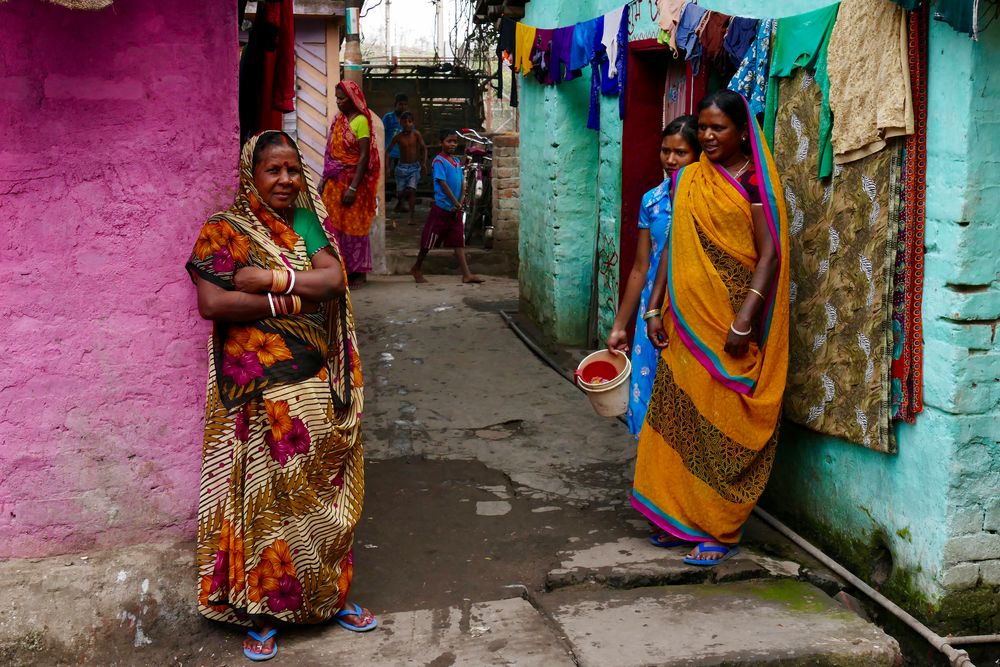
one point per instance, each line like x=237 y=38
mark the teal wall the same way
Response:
x=932 y=505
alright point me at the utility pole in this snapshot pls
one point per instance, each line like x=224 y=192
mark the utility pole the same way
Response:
x=353 y=70
x=388 y=27
x=439 y=45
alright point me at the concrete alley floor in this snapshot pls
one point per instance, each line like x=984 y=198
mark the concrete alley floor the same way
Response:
x=496 y=531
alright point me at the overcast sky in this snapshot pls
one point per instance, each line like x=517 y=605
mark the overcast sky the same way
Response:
x=413 y=23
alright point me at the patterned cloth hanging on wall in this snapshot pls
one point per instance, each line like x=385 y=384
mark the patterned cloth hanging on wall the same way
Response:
x=843 y=248
x=907 y=364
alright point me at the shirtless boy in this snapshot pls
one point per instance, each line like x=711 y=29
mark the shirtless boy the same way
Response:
x=411 y=147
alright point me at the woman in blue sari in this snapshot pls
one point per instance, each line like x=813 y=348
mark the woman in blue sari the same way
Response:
x=678 y=147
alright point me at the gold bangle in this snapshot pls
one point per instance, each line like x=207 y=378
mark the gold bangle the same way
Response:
x=757 y=293
x=279 y=281
x=296 y=304
x=650 y=314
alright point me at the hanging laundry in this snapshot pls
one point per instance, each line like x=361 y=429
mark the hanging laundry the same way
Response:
x=739 y=37
x=584 y=37
x=524 y=41
x=712 y=35
x=505 y=56
x=562 y=48
x=670 y=15
x=611 y=40
x=687 y=34
x=267 y=70
x=610 y=59
x=802 y=41
x=868 y=64
x=541 y=55
x=751 y=77
x=594 y=112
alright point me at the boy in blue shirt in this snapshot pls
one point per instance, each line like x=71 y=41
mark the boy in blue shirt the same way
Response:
x=444 y=226
x=393 y=125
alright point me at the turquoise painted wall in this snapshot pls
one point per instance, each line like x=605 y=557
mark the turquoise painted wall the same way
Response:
x=931 y=505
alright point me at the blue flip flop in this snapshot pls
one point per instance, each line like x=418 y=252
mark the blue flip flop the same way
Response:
x=354 y=610
x=666 y=540
x=261 y=657
x=727 y=553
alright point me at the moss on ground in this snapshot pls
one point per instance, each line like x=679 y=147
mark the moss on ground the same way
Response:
x=975 y=611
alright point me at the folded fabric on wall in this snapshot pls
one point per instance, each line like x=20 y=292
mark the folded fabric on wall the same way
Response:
x=843 y=244
x=868 y=65
x=802 y=41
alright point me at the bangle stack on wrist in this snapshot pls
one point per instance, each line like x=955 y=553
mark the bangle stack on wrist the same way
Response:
x=650 y=314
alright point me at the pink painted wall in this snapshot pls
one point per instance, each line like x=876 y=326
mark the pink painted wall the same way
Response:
x=118 y=137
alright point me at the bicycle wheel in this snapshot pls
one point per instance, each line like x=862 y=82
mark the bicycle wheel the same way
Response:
x=487 y=212
x=472 y=228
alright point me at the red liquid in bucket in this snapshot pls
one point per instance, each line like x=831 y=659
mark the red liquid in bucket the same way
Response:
x=597 y=371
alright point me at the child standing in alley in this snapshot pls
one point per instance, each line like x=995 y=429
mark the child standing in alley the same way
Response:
x=444 y=226
x=412 y=160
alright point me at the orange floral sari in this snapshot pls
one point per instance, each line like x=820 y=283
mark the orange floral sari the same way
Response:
x=351 y=224
x=282 y=478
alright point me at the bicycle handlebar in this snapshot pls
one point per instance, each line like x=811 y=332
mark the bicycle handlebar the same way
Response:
x=471 y=135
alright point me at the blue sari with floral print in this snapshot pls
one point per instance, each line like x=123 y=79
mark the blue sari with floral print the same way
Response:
x=654 y=214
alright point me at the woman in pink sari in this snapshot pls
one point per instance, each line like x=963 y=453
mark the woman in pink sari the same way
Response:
x=350 y=180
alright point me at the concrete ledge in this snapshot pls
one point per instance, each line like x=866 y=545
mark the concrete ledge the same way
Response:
x=776 y=623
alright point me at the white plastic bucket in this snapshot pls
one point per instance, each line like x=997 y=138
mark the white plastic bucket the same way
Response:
x=610 y=396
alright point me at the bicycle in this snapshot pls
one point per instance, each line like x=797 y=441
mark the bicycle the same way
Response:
x=478 y=195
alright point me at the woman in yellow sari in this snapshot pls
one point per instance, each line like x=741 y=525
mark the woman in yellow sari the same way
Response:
x=708 y=443
x=282 y=478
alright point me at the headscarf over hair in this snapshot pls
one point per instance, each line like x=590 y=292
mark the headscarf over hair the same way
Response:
x=251 y=233
x=357 y=98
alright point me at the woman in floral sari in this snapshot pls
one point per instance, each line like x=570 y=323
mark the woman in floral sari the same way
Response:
x=282 y=477
x=350 y=180
x=707 y=446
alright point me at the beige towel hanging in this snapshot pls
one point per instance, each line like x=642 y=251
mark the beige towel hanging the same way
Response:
x=868 y=64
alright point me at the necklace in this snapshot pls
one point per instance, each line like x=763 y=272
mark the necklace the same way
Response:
x=739 y=173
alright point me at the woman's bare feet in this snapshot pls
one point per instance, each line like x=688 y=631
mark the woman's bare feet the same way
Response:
x=471 y=278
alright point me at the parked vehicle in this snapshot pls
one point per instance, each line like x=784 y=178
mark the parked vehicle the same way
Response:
x=478 y=197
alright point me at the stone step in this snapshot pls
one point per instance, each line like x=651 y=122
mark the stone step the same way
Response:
x=504 y=632
x=778 y=623
x=631 y=562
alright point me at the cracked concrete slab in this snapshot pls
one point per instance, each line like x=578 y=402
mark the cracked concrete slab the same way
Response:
x=632 y=561
x=779 y=623
x=505 y=632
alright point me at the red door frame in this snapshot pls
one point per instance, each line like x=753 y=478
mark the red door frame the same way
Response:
x=648 y=61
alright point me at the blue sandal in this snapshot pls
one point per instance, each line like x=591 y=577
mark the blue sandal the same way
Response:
x=727 y=553
x=666 y=541
x=353 y=609
x=261 y=657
